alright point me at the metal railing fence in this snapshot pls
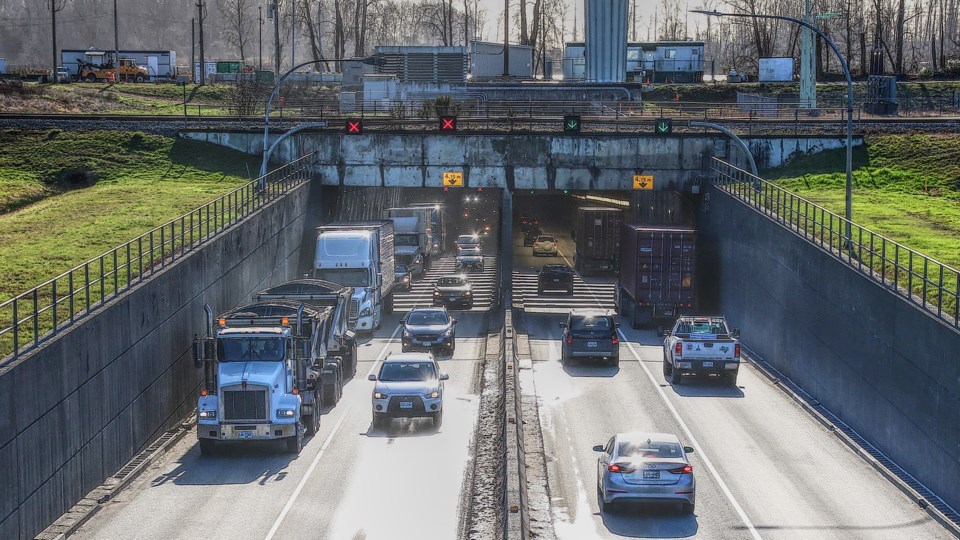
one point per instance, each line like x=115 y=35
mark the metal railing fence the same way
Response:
x=30 y=318
x=919 y=279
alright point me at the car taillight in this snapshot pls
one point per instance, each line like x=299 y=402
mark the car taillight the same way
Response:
x=620 y=468
x=681 y=470
x=736 y=350
x=616 y=340
x=569 y=341
x=678 y=349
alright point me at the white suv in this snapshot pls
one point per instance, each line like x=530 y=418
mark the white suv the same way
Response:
x=409 y=385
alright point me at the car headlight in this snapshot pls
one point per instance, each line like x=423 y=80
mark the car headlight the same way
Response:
x=286 y=413
x=448 y=332
x=365 y=312
x=467 y=293
x=380 y=395
x=437 y=293
x=207 y=415
x=432 y=395
x=406 y=278
x=407 y=334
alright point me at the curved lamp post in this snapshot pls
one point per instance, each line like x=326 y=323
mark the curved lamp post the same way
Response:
x=846 y=71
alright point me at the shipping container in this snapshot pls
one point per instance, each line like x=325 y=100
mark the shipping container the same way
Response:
x=486 y=61
x=657 y=266
x=606 y=40
x=597 y=237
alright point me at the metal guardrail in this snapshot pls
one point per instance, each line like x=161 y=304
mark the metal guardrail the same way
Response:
x=925 y=282
x=33 y=317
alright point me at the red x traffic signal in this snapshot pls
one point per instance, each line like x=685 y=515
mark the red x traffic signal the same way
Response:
x=448 y=123
x=354 y=126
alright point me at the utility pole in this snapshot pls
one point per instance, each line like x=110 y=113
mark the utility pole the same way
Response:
x=203 y=70
x=276 y=36
x=293 y=33
x=53 y=18
x=506 y=38
x=116 y=42
x=808 y=81
x=193 y=50
x=260 y=21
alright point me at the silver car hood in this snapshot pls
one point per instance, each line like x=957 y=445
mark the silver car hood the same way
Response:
x=407 y=387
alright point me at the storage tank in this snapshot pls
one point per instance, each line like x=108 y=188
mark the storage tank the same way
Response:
x=606 y=44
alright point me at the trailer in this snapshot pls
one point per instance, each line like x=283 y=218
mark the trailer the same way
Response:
x=597 y=237
x=160 y=65
x=657 y=266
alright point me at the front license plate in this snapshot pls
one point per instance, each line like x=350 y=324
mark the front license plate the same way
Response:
x=406 y=404
x=591 y=344
x=245 y=434
x=651 y=474
x=708 y=364
x=556 y=280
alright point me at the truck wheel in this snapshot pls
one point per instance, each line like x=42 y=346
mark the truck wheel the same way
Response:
x=614 y=362
x=90 y=78
x=312 y=422
x=563 y=358
x=675 y=376
x=207 y=447
x=666 y=367
x=294 y=444
x=138 y=78
x=437 y=419
x=331 y=393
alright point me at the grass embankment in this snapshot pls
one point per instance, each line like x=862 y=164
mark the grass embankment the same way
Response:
x=906 y=187
x=125 y=98
x=50 y=223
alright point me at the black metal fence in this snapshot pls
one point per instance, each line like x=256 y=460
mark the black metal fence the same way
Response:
x=923 y=281
x=30 y=318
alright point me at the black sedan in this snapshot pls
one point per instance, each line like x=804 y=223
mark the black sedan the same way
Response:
x=429 y=329
x=453 y=292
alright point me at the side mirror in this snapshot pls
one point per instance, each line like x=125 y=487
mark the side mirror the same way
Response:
x=616 y=325
x=735 y=333
x=372 y=377
x=453 y=322
x=598 y=448
x=444 y=377
x=688 y=449
x=350 y=335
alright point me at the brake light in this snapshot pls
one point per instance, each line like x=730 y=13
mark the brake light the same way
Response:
x=616 y=340
x=736 y=350
x=569 y=341
x=620 y=468
x=681 y=470
x=678 y=349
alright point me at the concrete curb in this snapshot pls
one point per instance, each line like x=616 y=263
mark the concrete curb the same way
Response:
x=784 y=384
x=535 y=506
x=86 y=508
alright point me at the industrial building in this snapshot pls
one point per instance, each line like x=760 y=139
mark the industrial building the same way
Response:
x=655 y=62
x=423 y=64
x=486 y=61
x=159 y=64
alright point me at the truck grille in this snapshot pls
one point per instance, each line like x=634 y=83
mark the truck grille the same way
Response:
x=245 y=405
x=354 y=310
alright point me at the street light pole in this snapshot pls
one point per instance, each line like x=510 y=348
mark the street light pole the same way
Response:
x=260 y=21
x=848 y=211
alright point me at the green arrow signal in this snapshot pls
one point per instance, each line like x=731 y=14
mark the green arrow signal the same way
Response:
x=572 y=124
x=663 y=127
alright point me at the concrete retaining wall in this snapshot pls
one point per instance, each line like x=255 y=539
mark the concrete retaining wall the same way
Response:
x=886 y=368
x=77 y=409
x=515 y=161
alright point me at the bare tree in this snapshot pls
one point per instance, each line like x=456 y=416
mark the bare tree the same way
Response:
x=237 y=27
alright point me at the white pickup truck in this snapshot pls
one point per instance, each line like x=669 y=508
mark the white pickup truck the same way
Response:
x=703 y=346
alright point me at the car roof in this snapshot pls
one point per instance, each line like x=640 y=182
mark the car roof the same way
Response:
x=555 y=266
x=640 y=436
x=592 y=312
x=468 y=236
x=427 y=310
x=409 y=357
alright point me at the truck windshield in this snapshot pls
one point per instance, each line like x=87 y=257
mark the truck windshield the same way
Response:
x=250 y=349
x=405 y=240
x=350 y=277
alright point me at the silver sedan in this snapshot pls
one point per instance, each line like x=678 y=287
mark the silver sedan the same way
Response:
x=645 y=468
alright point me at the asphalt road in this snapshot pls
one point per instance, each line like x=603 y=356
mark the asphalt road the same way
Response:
x=349 y=482
x=764 y=467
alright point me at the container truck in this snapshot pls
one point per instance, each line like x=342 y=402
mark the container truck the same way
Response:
x=359 y=254
x=265 y=365
x=656 y=273
x=430 y=231
x=597 y=237
x=340 y=340
x=408 y=239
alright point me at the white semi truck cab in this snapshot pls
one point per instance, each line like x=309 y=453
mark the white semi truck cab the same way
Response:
x=359 y=255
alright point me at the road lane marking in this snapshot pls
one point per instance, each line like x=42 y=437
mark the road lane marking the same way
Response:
x=303 y=481
x=693 y=440
x=383 y=351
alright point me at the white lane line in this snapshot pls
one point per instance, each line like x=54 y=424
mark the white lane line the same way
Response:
x=303 y=481
x=693 y=441
x=383 y=351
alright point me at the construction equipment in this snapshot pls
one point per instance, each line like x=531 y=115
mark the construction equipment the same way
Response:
x=129 y=71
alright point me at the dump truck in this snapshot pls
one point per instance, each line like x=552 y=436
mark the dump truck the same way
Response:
x=265 y=368
x=656 y=273
x=597 y=237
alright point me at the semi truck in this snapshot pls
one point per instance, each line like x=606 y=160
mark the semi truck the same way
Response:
x=359 y=254
x=656 y=273
x=429 y=227
x=408 y=238
x=597 y=237
x=340 y=340
x=265 y=368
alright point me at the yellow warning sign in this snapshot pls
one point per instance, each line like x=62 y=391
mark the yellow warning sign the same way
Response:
x=642 y=181
x=453 y=179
